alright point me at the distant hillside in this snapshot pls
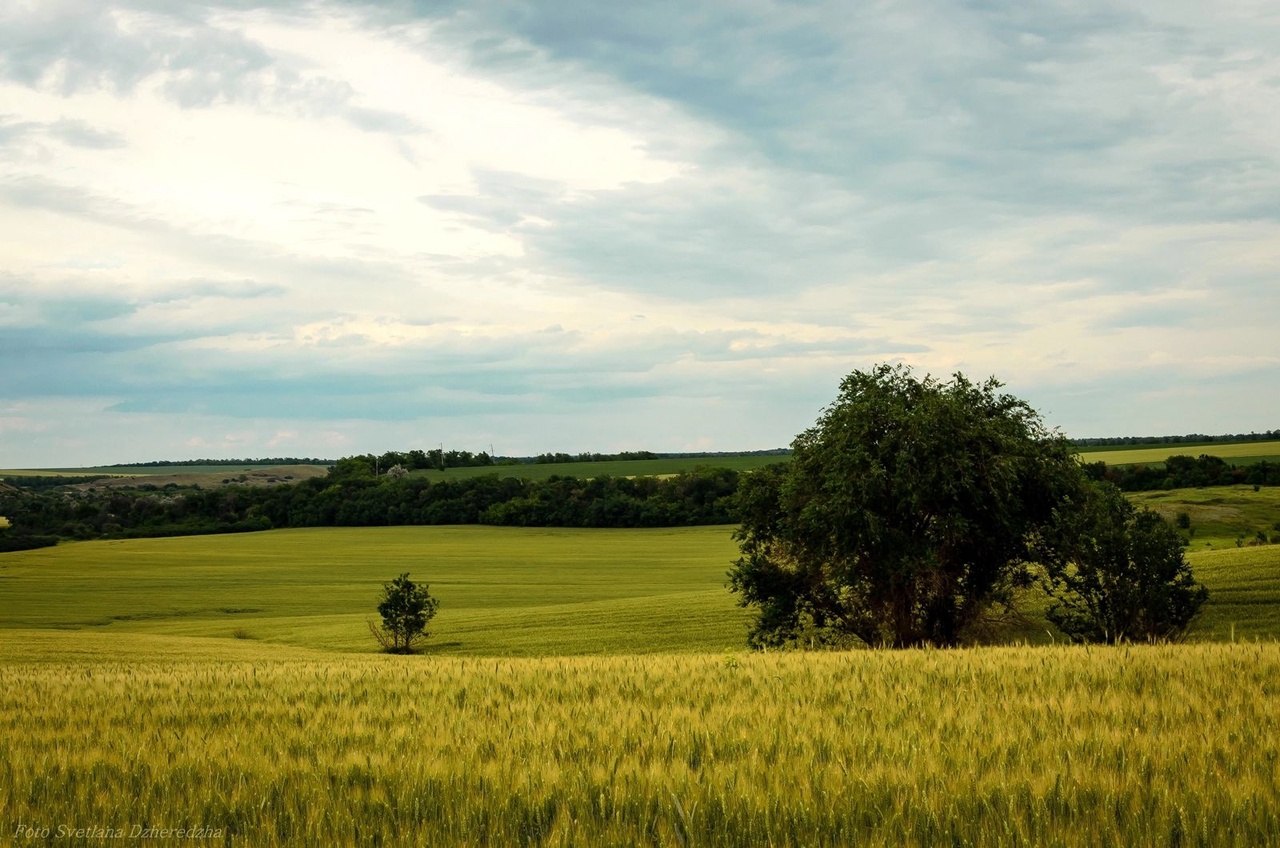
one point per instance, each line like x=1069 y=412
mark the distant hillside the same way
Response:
x=1191 y=439
x=167 y=463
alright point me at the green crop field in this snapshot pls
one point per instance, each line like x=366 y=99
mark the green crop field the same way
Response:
x=1238 y=453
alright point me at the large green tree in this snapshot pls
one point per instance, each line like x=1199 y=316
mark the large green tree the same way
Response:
x=907 y=511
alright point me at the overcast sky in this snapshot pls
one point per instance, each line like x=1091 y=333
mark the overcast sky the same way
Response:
x=319 y=229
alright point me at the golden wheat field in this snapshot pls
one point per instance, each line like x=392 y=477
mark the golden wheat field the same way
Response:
x=244 y=744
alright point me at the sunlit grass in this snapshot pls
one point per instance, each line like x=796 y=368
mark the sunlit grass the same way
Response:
x=1235 y=452
x=1220 y=515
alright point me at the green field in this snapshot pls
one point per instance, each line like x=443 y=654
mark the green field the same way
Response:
x=1238 y=453
x=516 y=591
x=503 y=591
x=591 y=687
x=1220 y=516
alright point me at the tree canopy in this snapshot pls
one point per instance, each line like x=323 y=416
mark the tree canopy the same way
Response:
x=1125 y=575
x=908 y=509
x=406 y=607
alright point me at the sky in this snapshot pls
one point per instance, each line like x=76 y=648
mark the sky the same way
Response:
x=326 y=228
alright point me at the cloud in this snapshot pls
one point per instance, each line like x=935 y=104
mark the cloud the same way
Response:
x=331 y=219
x=75 y=133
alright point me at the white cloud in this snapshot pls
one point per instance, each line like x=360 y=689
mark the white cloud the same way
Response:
x=407 y=225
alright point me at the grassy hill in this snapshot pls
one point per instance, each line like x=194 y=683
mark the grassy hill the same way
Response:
x=1238 y=453
x=513 y=591
x=503 y=591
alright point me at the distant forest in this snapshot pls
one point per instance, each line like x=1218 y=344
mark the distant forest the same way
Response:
x=352 y=496
x=186 y=463
x=1189 y=439
x=415 y=460
x=359 y=491
x=1185 y=472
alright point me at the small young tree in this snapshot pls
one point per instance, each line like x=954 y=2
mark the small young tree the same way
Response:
x=1125 y=576
x=406 y=608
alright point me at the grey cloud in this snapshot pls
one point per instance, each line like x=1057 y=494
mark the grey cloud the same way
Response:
x=60 y=315
x=1156 y=401
x=494 y=212
x=229 y=254
x=502 y=200
x=705 y=241
x=87 y=46
x=41 y=342
x=451 y=375
x=383 y=121
x=236 y=290
x=81 y=134
x=872 y=151
x=947 y=121
x=13 y=130
x=83 y=46
x=72 y=132
x=84 y=309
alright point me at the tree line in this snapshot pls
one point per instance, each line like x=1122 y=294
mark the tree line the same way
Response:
x=416 y=460
x=1189 y=439
x=1185 y=472
x=352 y=496
x=43 y=510
x=624 y=456
x=275 y=460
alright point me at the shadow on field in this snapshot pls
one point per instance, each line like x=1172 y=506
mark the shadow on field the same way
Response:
x=436 y=646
